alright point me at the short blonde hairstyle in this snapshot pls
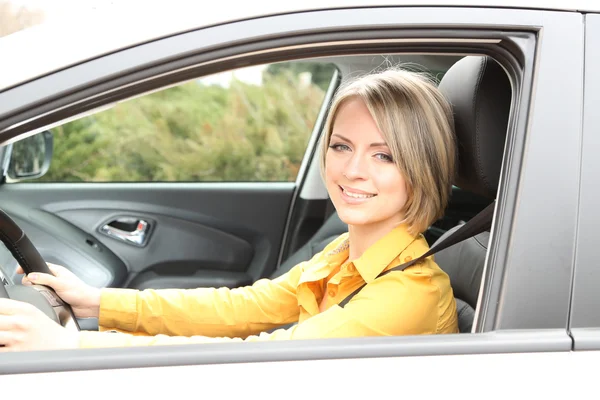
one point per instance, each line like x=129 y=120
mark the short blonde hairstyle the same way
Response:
x=417 y=123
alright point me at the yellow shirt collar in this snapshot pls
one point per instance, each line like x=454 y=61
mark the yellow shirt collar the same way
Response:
x=377 y=257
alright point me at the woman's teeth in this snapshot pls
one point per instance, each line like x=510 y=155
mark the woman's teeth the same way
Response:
x=357 y=195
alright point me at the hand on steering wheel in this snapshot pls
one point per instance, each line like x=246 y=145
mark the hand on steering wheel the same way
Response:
x=84 y=299
x=32 y=317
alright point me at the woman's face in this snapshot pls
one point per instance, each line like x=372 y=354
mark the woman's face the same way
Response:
x=362 y=179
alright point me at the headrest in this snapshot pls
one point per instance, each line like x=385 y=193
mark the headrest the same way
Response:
x=480 y=94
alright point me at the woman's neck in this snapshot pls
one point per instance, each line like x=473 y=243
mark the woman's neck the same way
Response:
x=361 y=237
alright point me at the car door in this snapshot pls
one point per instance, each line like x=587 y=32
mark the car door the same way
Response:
x=190 y=186
x=520 y=344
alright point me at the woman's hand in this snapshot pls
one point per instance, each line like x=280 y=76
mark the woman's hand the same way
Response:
x=83 y=298
x=24 y=327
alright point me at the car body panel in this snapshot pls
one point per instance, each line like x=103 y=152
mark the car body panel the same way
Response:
x=585 y=318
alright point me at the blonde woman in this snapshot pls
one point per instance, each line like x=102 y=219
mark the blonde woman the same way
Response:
x=388 y=159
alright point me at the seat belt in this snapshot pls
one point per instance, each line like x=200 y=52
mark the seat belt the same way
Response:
x=479 y=223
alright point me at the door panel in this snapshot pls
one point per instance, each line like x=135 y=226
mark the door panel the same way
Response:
x=62 y=243
x=201 y=235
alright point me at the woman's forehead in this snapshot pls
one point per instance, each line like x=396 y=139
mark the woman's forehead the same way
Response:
x=354 y=121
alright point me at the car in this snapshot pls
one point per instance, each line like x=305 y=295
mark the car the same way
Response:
x=180 y=150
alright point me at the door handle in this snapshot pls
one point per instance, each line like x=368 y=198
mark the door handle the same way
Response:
x=130 y=230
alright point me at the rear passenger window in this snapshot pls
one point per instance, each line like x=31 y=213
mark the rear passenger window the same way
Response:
x=250 y=124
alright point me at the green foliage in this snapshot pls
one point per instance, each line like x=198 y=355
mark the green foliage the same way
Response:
x=194 y=132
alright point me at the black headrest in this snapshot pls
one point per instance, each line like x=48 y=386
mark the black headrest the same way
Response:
x=480 y=94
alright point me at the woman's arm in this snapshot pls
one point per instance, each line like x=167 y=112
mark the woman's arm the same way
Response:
x=396 y=304
x=205 y=311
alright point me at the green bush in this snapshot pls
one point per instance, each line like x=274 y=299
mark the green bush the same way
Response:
x=194 y=132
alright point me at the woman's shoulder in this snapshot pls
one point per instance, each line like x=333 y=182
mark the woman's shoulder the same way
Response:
x=415 y=250
x=427 y=266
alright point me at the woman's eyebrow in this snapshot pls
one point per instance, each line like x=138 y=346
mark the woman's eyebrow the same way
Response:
x=376 y=144
x=379 y=144
x=341 y=137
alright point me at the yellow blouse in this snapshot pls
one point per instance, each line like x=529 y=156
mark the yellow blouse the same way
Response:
x=418 y=300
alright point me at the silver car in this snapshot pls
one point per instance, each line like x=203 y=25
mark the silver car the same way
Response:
x=178 y=148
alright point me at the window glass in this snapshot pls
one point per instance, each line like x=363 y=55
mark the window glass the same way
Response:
x=250 y=124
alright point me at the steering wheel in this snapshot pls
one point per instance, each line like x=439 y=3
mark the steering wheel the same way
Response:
x=42 y=297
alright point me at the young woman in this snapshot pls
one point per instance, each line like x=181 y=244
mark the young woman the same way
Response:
x=388 y=159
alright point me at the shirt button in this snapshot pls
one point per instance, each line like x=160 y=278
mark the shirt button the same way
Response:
x=351 y=268
x=407 y=259
x=332 y=293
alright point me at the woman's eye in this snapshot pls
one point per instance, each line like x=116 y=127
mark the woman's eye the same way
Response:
x=339 y=147
x=384 y=157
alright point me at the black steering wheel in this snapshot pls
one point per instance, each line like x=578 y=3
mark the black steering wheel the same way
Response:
x=42 y=297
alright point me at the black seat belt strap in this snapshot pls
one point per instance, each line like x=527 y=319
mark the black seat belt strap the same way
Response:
x=479 y=223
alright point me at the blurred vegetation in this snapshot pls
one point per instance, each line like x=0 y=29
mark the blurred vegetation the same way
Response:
x=198 y=132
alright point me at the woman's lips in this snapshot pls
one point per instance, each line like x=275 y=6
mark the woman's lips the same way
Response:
x=355 y=196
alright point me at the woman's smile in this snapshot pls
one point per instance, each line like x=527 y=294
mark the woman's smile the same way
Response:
x=355 y=196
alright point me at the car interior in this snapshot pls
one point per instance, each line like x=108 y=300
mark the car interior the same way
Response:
x=480 y=93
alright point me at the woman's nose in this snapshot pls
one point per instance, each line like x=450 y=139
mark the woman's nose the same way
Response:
x=355 y=167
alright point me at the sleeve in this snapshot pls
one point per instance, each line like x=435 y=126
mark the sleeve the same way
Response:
x=392 y=305
x=211 y=312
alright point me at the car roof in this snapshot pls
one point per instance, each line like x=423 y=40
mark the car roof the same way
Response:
x=67 y=41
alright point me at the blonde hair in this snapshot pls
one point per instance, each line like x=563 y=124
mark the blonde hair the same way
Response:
x=417 y=124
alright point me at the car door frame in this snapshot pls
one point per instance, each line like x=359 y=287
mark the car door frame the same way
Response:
x=584 y=321
x=523 y=241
